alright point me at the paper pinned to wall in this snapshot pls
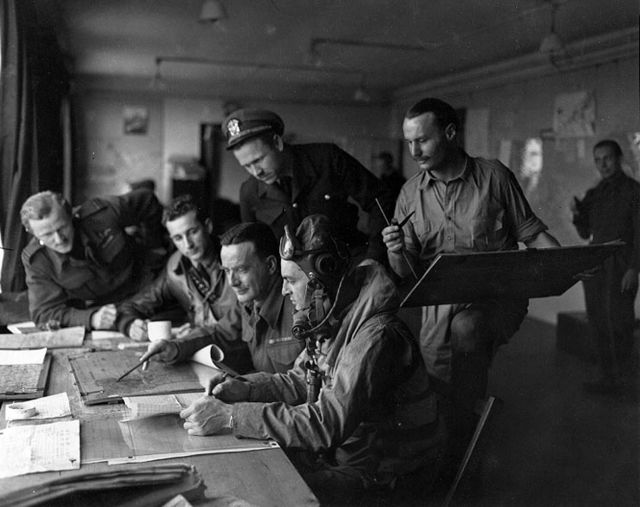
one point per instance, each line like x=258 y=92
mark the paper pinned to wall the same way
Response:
x=574 y=114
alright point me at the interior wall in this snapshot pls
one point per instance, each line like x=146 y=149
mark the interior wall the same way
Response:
x=523 y=110
x=359 y=130
x=106 y=158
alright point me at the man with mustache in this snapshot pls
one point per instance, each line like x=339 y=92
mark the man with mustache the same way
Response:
x=460 y=204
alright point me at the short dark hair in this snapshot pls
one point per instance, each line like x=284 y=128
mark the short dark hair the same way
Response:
x=261 y=235
x=611 y=144
x=180 y=206
x=40 y=205
x=444 y=113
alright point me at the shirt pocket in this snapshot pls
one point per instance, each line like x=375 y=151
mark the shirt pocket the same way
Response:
x=488 y=230
x=284 y=351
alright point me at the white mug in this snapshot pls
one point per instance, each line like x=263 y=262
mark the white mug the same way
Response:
x=159 y=330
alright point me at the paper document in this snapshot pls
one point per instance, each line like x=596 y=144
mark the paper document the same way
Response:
x=40 y=448
x=48 y=407
x=12 y=357
x=65 y=337
x=23 y=327
x=147 y=406
x=105 y=335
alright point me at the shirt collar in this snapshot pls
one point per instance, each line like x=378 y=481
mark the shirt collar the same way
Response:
x=271 y=307
x=210 y=264
x=428 y=178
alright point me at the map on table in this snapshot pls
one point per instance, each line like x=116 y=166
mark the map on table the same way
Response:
x=96 y=373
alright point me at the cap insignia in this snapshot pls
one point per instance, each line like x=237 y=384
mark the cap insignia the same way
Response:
x=233 y=127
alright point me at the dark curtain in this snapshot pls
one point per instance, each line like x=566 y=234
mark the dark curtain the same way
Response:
x=33 y=85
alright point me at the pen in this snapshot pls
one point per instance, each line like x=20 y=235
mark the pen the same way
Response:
x=130 y=370
x=404 y=221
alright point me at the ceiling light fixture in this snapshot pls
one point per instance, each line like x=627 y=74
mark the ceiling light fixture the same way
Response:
x=212 y=11
x=157 y=82
x=552 y=43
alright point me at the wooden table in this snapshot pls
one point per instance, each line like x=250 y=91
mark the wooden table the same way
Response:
x=263 y=478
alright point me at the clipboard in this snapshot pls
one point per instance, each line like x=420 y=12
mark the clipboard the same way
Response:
x=530 y=273
x=96 y=374
x=24 y=381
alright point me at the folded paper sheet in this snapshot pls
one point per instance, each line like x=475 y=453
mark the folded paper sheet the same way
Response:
x=148 y=406
x=49 y=407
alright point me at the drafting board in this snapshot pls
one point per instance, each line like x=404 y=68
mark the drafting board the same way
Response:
x=24 y=381
x=530 y=273
x=96 y=374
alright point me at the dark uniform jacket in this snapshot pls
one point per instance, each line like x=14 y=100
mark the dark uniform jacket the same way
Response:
x=218 y=304
x=69 y=290
x=324 y=178
x=266 y=331
x=611 y=211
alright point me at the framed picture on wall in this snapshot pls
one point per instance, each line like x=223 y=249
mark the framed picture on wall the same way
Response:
x=136 y=120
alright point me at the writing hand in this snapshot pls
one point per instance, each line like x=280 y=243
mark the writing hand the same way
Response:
x=207 y=416
x=227 y=389
x=104 y=317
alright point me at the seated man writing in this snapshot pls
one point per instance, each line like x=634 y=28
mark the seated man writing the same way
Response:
x=356 y=409
x=81 y=262
x=258 y=317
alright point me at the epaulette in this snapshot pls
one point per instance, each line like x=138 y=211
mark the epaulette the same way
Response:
x=89 y=208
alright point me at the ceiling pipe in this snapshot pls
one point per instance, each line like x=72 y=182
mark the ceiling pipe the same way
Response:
x=255 y=65
x=320 y=41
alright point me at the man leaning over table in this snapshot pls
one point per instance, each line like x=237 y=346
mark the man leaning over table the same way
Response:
x=355 y=411
x=259 y=318
x=192 y=279
x=81 y=262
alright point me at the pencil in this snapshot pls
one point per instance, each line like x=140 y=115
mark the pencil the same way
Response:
x=130 y=370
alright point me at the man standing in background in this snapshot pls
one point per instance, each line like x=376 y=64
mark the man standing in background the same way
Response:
x=611 y=211
x=390 y=176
